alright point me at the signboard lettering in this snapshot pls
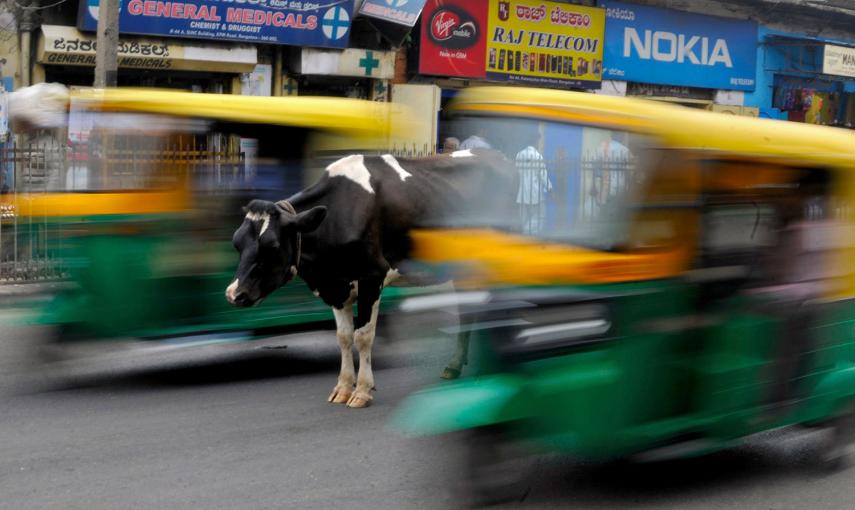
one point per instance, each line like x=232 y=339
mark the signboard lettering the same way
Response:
x=545 y=43
x=663 y=46
x=320 y=24
x=402 y=12
x=453 y=42
x=838 y=61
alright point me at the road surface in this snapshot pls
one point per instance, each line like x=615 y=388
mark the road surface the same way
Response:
x=253 y=430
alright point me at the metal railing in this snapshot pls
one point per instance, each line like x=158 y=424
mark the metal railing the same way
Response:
x=30 y=247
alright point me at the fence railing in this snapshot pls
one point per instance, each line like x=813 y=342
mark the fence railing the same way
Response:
x=554 y=193
x=30 y=247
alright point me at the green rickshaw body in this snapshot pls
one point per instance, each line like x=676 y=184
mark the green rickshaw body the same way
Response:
x=654 y=341
x=153 y=190
x=636 y=390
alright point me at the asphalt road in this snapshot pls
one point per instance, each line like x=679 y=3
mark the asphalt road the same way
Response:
x=253 y=430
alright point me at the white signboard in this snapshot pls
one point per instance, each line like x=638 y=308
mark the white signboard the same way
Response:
x=257 y=83
x=4 y=114
x=839 y=61
x=355 y=62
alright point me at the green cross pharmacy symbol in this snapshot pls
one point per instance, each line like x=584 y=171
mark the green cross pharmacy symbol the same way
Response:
x=380 y=88
x=369 y=63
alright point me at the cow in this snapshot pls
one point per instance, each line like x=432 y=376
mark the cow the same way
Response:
x=347 y=237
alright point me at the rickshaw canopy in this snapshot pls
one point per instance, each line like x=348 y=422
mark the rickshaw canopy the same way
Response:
x=674 y=126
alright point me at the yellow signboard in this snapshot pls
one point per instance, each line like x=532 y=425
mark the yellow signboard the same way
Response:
x=545 y=43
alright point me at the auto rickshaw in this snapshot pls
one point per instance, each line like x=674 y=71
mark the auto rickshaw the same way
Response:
x=638 y=306
x=148 y=189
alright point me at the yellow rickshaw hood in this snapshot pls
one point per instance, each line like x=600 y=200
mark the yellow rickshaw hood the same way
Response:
x=497 y=258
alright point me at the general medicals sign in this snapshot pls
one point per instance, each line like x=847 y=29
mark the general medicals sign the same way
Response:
x=322 y=23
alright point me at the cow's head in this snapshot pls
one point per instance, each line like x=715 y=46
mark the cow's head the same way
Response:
x=268 y=241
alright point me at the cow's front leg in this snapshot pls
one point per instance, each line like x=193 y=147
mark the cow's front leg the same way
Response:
x=347 y=375
x=369 y=309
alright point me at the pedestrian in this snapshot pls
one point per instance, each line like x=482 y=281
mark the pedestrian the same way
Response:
x=476 y=141
x=533 y=187
x=450 y=145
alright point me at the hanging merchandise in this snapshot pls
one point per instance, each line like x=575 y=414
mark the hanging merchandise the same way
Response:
x=790 y=101
x=807 y=99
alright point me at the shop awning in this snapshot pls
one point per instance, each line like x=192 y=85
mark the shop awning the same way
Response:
x=61 y=45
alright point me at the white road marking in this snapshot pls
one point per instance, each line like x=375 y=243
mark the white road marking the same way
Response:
x=353 y=168
x=264 y=218
x=466 y=153
x=391 y=161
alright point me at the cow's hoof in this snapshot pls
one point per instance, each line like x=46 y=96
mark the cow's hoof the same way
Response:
x=359 y=400
x=450 y=373
x=340 y=395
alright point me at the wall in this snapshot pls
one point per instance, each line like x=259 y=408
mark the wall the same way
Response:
x=8 y=45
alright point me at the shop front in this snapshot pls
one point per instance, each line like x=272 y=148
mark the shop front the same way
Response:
x=807 y=79
x=690 y=59
x=67 y=55
x=200 y=45
x=511 y=42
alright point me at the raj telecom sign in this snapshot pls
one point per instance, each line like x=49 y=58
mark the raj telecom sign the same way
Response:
x=324 y=23
x=402 y=12
x=838 y=61
x=545 y=43
x=663 y=46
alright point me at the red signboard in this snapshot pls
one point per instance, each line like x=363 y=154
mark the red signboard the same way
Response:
x=454 y=39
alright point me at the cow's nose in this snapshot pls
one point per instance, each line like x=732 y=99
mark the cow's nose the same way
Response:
x=241 y=298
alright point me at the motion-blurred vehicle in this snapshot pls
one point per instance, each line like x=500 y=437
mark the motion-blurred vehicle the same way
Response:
x=646 y=303
x=146 y=195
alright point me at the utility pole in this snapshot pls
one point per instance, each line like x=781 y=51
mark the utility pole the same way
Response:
x=106 y=54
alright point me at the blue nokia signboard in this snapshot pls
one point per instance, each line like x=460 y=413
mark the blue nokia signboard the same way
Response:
x=322 y=23
x=667 y=47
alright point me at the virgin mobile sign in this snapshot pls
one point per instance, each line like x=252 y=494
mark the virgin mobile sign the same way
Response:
x=453 y=41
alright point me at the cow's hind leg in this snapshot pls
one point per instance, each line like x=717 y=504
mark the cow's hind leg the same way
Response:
x=369 y=309
x=459 y=359
x=347 y=375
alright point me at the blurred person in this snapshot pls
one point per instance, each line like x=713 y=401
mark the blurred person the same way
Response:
x=450 y=145
x=799 y=271
x=534 y=185
x=476 y=140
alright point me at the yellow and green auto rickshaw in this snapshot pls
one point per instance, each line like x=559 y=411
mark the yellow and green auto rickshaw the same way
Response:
x=675 y=281
x=138 y=192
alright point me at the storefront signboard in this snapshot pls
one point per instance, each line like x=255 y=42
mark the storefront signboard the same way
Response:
x=354 y=62
x=402 y=12
x=545 y=43
x=259 y=82
x=322 y=23
x=61 y=45
x=664 y=46
x=839 y=61
x=454 y=38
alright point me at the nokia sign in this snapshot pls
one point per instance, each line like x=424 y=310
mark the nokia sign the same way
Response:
x=681 y=48
x=667 y=47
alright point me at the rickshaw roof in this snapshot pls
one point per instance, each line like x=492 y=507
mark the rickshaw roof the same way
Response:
x=324 y=113
x=676 y=126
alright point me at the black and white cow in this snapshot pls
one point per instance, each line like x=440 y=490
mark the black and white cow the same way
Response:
x=347 y=235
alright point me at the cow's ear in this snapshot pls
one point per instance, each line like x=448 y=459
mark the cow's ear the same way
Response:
x=311 y=219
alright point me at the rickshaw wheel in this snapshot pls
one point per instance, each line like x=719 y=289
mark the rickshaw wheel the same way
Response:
x=497 y=468
x=834 y=450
